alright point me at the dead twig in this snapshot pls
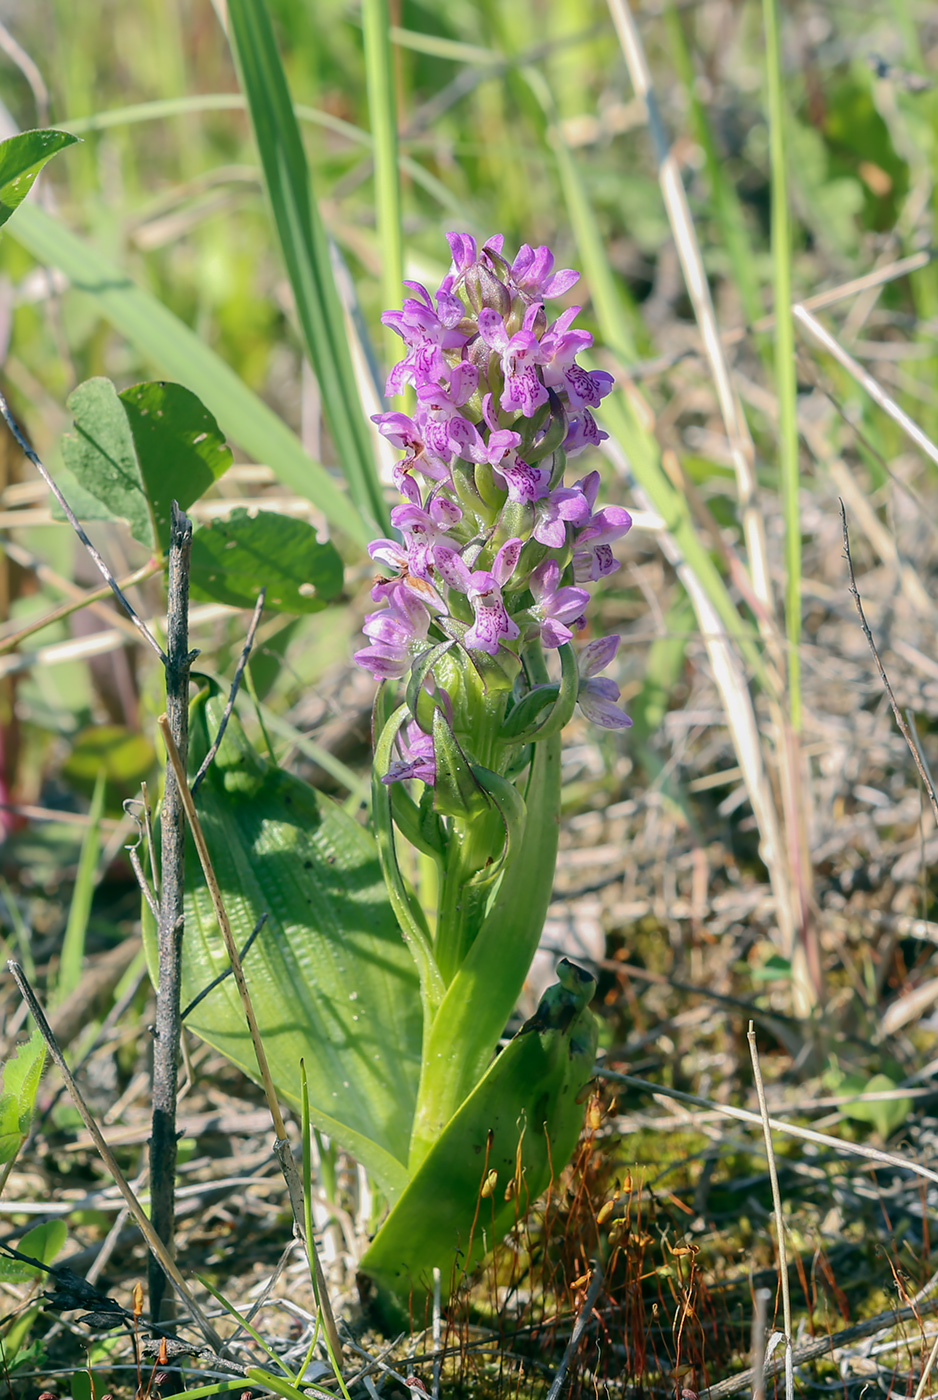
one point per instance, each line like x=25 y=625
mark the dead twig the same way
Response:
x=217 y=981
x=576 y=1336
x=167 y=1025
x=900 y=718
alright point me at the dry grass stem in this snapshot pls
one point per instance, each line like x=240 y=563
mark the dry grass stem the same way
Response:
x=777 y=1206
x=872 y=386
x=579 y=1327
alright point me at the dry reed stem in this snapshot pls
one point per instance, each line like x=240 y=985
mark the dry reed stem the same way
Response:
x=777 y=1207
x=576 y=1336
x=778 y=1125
x=282 y=1145
x=866 y=381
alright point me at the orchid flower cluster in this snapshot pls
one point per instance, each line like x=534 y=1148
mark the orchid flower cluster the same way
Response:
x=496 y=551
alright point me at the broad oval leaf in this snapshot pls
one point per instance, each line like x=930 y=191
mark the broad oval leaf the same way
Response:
x=330 y=978
x=137 y=451
x=103 y=459
x=21 y=159
x=521 y=1122
x=43 y=1242
x=180 y=448
x=233 y=559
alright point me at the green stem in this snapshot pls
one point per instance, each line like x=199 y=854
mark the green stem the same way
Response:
x=785 y=377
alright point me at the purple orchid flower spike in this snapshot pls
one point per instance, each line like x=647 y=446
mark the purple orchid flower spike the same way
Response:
x=555 y=607
x=597 y=695
x=483 y=588
x=422 y=529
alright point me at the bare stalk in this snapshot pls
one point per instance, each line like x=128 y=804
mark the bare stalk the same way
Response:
x=170 y=926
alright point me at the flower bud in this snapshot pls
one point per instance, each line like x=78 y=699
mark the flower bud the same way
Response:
x=484 y=289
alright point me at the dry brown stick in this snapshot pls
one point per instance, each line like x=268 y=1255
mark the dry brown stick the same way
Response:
x=167 y=1025
x=156 y=1245
x=823 y=1346
x=282 y=1144
x=761 y=1301
x=576 y=1336
x=900 y=717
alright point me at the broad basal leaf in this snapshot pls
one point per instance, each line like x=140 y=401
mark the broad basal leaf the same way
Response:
x=233 y=559
x=43 y=1243
x=137 y=451
x=21 y=159
x=329 y=976
x=514 y=1132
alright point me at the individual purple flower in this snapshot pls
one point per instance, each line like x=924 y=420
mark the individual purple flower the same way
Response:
x=592 y=553
x=567 y=503
x=597 y=695
x=531 y=274
x=483 y=588
x=520 y=354
x=422 y=529
x=417 y=760
x=426 y=337
x=401 y=431
x=559 y=348
x=444 y=427
x=553 y=606
x=582 y=432
x=393 y=634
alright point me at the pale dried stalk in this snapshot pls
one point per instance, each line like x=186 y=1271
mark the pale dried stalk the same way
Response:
x=872 y=386
x=777 y=1206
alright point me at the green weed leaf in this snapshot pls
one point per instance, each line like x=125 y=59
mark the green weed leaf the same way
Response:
x=42 y=1242
x=137 y=451
x=21 y=159
x=885 y=1115
x=21 y=1075
x=233 y=559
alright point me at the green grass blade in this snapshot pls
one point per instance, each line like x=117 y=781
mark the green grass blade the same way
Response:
x=76 y=929
x=382 y=106
x=786 y=387
x=305 y=248
x=179 y=354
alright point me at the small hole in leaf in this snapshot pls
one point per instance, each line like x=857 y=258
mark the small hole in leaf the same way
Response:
x=306 y=590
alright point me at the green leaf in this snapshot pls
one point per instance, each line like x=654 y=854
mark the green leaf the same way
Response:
x=138 y=451
x=233 y=559
x=42 y=1242
x=526 y=1105
x=102 y=457
x=305 y=247
x=885 y=1115
x=180 y=354
x=21 y=159
x=20 y=1077
x=330 y=978
x=180 y=447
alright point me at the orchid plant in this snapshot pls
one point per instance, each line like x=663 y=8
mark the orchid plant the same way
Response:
x=472 y=639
